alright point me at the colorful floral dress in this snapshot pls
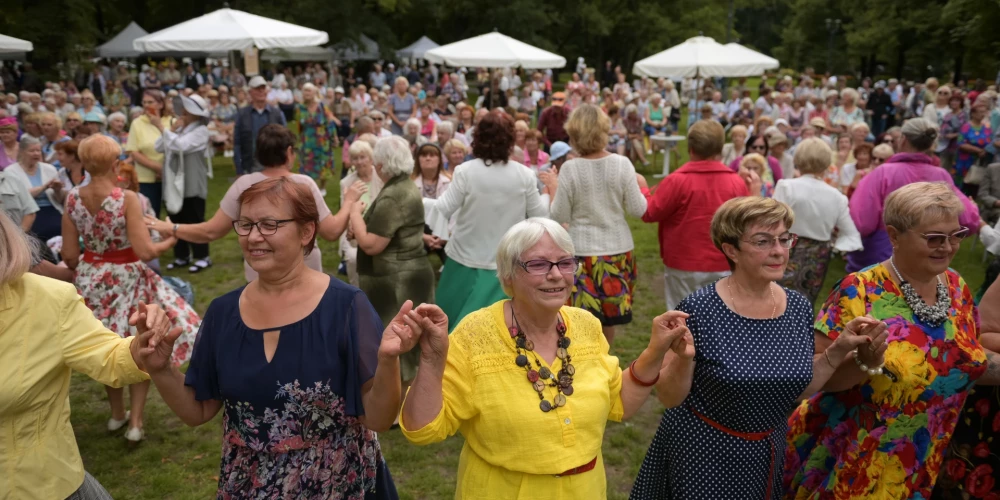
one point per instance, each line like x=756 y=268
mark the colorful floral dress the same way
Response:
x=972 y=465
x=113 y=291
x=979 y=137
x=290 y=426
x=884 y=439
x=315 y=147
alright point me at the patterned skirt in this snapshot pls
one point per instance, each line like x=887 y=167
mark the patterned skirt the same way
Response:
x=807 y=267
x=972 y=462
x=604 y=286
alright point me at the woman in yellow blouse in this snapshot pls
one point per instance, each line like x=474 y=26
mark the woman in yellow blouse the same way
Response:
x=45 y=332
x=528 y=381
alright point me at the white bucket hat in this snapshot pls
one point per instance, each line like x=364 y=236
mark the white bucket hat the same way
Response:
x=195 y=105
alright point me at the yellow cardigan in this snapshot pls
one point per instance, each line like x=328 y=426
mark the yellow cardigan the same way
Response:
x=512 y=449
x=46 y=331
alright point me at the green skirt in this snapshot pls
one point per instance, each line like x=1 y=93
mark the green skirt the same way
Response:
x=463 y=290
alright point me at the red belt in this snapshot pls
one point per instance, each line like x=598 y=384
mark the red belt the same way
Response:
x=589 y=466
x=749 y=436
x=124 y=256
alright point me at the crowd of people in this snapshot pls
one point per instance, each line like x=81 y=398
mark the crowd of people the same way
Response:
x=524 y=196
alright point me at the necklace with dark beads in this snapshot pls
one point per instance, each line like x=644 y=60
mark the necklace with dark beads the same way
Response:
x=542 y=377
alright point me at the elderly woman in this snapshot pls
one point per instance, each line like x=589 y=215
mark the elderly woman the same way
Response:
x=913 y=163
x=299 y=361
x=275 y=150
x=488 y=195
x=724 y=429
x=141 y=145
x=455 y=152
x=881 y=426
x=16 y=201
x=51 y=135
x=759 y=144
x=521 y=377
x=737 y=145
x=46 y=333
x=848 y=113
x=72 y=174
x=224 y=120
x=852 y=173
x=8 y=141
x=973 y=138
x=42 y=181
x=116 y=130
x=657 y=117
x=753 y=166
x=317 y=135
x=634 y=135
x=821 y=212
x=593 y=194
x=412 y=129
x=362 y=175
x=402 y=105
x=392 y=262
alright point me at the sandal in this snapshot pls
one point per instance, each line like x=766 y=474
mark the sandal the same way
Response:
x=178 y=263
x=200 y=265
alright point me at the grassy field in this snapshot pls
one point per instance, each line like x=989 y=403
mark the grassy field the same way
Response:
x=178 y=462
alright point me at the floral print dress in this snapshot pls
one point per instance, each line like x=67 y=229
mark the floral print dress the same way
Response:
x=979 y=137
x=290 y=426
x=315 y=148
x=113 y=291
x=886 y=439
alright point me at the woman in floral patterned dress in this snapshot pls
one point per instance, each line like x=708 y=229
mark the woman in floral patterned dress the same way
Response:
x=316 y=129
x=973 y=138
x=110 y=273
x=881 y=432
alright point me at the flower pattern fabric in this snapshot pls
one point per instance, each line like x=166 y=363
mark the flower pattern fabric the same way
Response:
x=979 y=137
x=972 y=467
x=884 y=439
x=113 y=291
x=315 y=149
x=604 y=286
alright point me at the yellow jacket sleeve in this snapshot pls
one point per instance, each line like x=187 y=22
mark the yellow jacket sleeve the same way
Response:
x=610 y=362
x=90 y=348
x=457 y=388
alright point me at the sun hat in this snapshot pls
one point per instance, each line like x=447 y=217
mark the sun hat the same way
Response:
x=195 y=104
x=558 y=150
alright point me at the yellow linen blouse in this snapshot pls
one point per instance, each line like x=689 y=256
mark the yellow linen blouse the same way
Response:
x=46 y=331
x=512 y=449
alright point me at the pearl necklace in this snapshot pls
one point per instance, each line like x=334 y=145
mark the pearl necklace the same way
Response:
x=774 y=303
x=932 y=315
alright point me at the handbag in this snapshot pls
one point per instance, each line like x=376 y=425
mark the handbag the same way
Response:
x=976 y=172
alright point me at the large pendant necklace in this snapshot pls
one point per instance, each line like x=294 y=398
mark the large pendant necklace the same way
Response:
x=543 y=376
x=932 y=315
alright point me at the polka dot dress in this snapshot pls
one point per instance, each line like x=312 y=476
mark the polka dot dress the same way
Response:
x=748 y=374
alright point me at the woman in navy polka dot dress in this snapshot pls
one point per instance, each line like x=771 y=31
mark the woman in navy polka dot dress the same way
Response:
x=753 y=360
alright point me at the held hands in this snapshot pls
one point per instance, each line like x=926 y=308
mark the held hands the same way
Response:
x=550 y=180
x=162 y=227
x=154 y=343
x=866 y=334
x=641 y=180
x=426 y=325
x=670 y=333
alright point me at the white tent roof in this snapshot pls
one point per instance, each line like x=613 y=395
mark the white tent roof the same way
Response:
x=417 y=49
x=703 y=56
x=228 y=29
x=494 y=50
x=10 y=44
x=364 y=50
x=121 y=44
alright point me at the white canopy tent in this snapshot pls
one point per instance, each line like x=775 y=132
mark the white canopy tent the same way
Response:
x=16 y=46
x=228 y=29
x=494 y=50
x=702 y=56
x=417 y=49
x=121 y=44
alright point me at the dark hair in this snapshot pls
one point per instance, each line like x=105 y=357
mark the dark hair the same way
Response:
x=273 y=142
x=493 y=138
x=752 y=139
x=281 y=190
x=429 y=149
x=863 y=147
x=69 y=148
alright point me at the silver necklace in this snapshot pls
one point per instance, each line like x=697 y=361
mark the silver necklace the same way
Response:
x=932 y=315
x=774 y=303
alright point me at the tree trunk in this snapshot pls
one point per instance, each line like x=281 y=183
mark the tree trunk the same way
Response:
x=102 y=34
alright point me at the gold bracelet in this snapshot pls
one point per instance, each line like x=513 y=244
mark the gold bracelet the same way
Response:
x=826 y=354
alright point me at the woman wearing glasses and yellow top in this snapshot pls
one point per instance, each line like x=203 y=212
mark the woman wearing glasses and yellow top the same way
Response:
x=881 y=426
x=528 y=381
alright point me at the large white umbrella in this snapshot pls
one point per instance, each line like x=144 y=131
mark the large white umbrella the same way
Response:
x=228 y=29
x=702 y=56
x=494 y=50
x=9 y=44
x=417 y=49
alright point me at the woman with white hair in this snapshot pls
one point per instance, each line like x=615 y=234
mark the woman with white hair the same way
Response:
x=843 y=117
x=402 y=105
x=363 y=172
x=392 y=262
x=42 y=181
x=412 y=129
x=317 y=135
x=116 y=130
x=529 y=381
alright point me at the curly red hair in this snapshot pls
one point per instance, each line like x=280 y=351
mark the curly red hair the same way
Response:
x=493 y=138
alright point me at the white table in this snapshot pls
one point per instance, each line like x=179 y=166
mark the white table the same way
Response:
x=668 y=143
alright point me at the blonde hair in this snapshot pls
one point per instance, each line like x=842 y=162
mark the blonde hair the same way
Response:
x=521 y=125
x=706 y=138
x=738 y=128
x=851 y=94
x=98 y=154
x=48 y=115
x=588 y=129
x=452 y=145
x=754 y=161
x=812 y=156
x=907 y=206
x=15 y=252
x=360 y=148
x=735 y=217
x=371 y=139
x=884 y=149
x=520 y=238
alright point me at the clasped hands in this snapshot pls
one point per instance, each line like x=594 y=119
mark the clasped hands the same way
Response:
x=426 y=325
x=865 y=334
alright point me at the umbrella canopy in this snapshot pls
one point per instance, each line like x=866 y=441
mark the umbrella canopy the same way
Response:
x=417 y=49
x=228 y=29
x=365 y=49
x=494 y=50
x=121 y=44
x=9 y=44
x=300 y=54
x=703 y=56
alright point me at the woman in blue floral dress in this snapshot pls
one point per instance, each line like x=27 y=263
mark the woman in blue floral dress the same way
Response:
x=973 y=137
x=317 y=131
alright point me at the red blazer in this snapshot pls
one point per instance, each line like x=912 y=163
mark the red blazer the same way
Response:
x=683 y=205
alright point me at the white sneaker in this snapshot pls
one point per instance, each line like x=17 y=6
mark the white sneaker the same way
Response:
x=134 y=434
x=114 y=425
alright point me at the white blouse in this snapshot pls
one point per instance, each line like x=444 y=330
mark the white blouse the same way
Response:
x=819 y=208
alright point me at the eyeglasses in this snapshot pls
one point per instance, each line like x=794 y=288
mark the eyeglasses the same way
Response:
x=764 y=243
x=266 y=227
x=758 y=147
x=542 y=267
x=936 y=240
x=378 y=119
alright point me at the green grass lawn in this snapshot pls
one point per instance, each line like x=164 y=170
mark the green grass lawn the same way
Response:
x=178 y=462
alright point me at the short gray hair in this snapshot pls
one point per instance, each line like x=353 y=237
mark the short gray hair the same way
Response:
x=394 y=154
x=520 y=238
x=27 y=141
x=116 y=115
x=446 y=125
x=920 y=133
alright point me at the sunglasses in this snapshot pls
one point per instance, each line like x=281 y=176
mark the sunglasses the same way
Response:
x=936 y=240
x=758 y=147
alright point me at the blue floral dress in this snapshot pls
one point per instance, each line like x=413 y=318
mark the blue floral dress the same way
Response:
x=290 y=426
x=316 y=131
x=979 y=137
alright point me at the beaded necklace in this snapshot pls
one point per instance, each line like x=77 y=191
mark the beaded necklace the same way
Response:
x=543 y=377
x=932 y=315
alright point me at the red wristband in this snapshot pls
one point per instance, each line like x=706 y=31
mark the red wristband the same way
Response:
x=643 y=383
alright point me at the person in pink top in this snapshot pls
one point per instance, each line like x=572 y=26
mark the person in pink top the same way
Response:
x=915 y=163
x=534 y=157
x=684 y=203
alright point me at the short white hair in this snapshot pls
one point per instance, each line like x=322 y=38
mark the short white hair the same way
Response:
x=412 y=122
x=851 y=94
x=860 y=126
x=446 y=126
x=394 y=154
x=359 y=148
x=116 y=115
x=520 y=238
